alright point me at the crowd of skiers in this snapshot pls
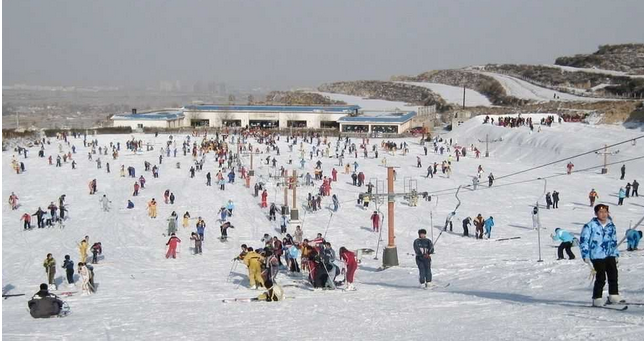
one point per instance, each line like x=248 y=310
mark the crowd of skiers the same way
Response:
x=316 y=256
x=85 y=269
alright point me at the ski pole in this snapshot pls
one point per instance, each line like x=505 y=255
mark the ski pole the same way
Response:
x=231 y=269
x=327 y=225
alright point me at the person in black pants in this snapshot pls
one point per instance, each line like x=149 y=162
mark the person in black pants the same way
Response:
x=635 y=185
x=598 y=245
x=68 y=265
x=466 y=222
x=555 y=199
x=423 y=248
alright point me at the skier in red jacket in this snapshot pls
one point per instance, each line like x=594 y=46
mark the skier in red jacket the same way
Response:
x=352 y=265
x=264 y=197
x=172 y=246
x=375 y=221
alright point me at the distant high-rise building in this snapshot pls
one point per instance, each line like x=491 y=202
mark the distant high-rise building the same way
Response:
x=212 y=87
x=198 y=87
x=166 y=86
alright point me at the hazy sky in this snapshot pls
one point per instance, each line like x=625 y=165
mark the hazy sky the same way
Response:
x=282 y=44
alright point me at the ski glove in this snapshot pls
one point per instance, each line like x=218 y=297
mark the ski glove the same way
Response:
x=593 y=272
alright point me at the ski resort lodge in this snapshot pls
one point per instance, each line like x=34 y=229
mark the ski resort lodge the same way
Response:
x=346 y=118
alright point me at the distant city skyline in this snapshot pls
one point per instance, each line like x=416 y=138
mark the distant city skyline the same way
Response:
x=292 y=44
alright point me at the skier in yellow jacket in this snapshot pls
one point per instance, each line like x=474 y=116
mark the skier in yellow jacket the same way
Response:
x=152 y=208
x=82 y=248
x=253 y=261
x=186 y=219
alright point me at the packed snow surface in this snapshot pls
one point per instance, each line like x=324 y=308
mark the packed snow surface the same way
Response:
x=497 y=291
x=454 y=94
x=368 y=104
x=521 y=89
x=593 y=70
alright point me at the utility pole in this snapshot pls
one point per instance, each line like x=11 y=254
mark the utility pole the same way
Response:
x=545 y=184
x=251 y=172
x=295 y=214
x=390 y=256
x=286 y=182
x=463 y=96
x=487 y=142
x=606 y=153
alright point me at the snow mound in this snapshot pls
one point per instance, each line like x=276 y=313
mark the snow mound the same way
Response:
x=552 y=143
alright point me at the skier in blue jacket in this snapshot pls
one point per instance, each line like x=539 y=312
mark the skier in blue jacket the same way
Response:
x=489 y=223
x=598 y=245
x=633 y=239
x=566 y=239
x=620 y=196
x=230 y=207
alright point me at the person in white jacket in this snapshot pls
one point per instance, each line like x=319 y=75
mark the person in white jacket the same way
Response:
x=105 y=202
x=85 y=276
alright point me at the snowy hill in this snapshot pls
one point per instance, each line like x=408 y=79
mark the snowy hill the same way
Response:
x=454 y=94
x=368 y=104
x=521 y=89
x=497 y=289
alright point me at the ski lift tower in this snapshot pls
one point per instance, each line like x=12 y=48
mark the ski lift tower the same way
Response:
x=251 y=172
x=487 y=142
x=606 y=153
x=390 y=253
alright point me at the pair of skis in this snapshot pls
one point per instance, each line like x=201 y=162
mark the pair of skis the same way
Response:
x=622 y=306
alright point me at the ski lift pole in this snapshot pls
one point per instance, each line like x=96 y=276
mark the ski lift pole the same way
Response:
x=327 y=226
x=431 y=219
x=450 y=215
x=431 y=222
x=545 y=184
x=382 y=218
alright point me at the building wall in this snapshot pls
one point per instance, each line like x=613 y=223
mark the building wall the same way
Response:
x=402 y=127
x=215 y=117
x=146 y=123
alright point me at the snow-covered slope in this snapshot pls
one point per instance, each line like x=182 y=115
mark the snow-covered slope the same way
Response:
x=602 y=71
x=454 y=94
x=522 y=89
x=370 y=104
x=497 y=291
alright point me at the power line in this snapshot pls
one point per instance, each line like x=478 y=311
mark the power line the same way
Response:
x=451 y=190
x=570 y=157
x=553 y=162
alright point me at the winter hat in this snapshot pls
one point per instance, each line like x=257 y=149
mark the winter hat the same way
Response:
x=557 y=229
x=422 y=231
x=44 y=286
x=67 y=257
